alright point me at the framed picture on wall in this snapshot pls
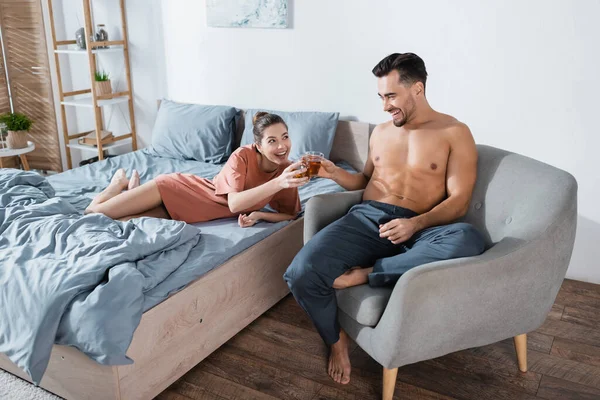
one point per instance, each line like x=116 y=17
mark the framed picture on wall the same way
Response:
x=247 y=13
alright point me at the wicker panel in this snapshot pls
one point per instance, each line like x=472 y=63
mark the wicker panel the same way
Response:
x=4 y=101
x=29 y=76
x=7 y=162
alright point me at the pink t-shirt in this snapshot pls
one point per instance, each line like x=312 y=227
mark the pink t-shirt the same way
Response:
x=192 y=199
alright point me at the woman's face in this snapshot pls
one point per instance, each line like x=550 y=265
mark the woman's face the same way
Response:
x=275 y=144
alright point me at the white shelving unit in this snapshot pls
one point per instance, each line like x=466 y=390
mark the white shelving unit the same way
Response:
x=88 y=98
x=104 y=147
x=88 y=101
x=113 y=49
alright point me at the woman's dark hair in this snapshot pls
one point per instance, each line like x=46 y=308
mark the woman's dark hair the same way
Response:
x=410 y=67
x=262 y=120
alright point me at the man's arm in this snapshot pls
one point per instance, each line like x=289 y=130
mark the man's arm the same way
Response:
x=349 y=180
x=354 y=181
x=461 y=175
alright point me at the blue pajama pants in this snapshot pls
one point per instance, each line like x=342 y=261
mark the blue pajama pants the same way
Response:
x=354 y=240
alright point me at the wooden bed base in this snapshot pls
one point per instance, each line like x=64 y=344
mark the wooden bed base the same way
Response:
x=181 y=331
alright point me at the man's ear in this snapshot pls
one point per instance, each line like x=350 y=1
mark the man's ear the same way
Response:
x=419 y=88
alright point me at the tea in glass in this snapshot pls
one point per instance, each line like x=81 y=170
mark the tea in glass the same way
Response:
x=305 y=173
x=313 y=161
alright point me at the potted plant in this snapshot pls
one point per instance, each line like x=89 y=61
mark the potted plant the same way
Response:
x=17 y=125
x=102 y=82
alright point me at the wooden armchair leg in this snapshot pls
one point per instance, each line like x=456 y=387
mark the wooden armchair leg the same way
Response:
x=389 y=383
x=521 y=349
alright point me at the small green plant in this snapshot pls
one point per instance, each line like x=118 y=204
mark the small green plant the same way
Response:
x=16 y=121
x=101 y=76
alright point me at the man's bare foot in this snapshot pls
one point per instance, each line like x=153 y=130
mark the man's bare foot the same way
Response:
x=134 y=181
x=339 y=360
x=353 y=277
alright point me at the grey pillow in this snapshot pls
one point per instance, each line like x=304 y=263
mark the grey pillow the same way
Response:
x=309 y=131
x=194 y=132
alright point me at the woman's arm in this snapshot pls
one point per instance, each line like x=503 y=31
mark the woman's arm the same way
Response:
x=248 y=220
x=240 y=201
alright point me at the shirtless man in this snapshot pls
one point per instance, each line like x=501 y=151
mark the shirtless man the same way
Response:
x=418 y=180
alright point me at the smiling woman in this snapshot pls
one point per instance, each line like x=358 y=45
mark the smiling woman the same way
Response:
x=255 y=175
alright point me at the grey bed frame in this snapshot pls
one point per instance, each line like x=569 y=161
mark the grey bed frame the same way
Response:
x=181 y=331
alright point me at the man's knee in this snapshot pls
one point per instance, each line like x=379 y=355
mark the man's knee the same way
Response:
x=302 y=272
x=466 y=240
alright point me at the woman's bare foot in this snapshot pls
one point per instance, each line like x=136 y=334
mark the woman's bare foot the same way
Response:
x=119 y=179
x=117 y=184
x=134 y=181
x=353 y=277
x=339 y=360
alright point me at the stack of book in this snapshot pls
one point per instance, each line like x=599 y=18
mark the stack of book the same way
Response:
x=90 y=140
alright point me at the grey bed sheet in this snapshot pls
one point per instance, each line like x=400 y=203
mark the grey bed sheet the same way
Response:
x=72 y=279
x=220 y=239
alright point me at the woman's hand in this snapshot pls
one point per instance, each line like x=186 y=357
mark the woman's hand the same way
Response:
x=246 y=221
x=327 y=169
x=286 y=179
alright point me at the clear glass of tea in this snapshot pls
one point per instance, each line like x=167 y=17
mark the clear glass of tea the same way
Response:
x=305 y=173
x=312 y=160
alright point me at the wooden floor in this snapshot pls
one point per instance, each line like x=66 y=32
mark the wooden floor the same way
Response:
x=281 y=356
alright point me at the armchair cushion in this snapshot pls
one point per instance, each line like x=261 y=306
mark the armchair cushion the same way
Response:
x=363 y=303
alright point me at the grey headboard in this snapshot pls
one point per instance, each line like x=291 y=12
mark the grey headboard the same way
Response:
x=350 y=144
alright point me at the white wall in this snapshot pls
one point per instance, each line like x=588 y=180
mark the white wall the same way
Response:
x=523 y=75
x=146 y=54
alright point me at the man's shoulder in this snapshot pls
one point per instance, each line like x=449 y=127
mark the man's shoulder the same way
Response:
x=382 y=127
x=452 y=126
x=445 y=121
x=457 y=133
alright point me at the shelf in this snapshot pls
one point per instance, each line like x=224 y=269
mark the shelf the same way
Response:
x=87 y=101
x=6 y=152
x=104 y=147
x=84 y=98
x=112 y=49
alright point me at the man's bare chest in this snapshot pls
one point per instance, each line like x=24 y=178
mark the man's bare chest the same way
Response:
x=424 y=154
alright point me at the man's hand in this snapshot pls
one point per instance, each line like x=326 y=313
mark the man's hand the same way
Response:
x=327 y=169
x=398 y=230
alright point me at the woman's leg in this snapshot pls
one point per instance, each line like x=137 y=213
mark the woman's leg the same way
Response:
x=158 y=212
x=117 y=184
x=134 y=181
x=129 y=203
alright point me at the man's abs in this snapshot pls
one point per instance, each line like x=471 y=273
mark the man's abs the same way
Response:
x=415 y=195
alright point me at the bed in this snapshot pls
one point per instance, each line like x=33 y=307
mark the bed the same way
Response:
x=198 y=311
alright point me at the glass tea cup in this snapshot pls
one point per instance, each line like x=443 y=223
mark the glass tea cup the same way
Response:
x=312 y=160
x=303 y=174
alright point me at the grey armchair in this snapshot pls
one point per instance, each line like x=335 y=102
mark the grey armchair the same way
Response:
x=528 y=211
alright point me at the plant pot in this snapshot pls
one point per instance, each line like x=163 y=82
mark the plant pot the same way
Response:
x=16 y=139
x=103 y=87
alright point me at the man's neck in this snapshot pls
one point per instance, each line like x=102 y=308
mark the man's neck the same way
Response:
x=422 y=115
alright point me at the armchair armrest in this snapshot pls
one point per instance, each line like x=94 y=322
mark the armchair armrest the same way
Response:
x=447 y=306
x=323 y=209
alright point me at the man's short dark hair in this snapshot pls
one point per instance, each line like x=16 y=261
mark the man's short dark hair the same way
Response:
x=409 y=65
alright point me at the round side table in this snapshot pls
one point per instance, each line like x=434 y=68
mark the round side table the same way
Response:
x=18 y=152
